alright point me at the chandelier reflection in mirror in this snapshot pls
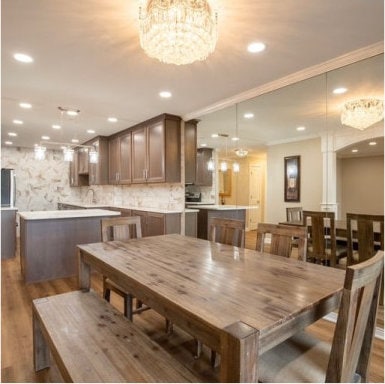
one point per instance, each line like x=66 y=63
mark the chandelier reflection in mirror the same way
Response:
x=178 y=31
x=362 y=113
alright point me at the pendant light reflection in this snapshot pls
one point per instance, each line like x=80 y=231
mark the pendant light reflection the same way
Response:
x=68 y=154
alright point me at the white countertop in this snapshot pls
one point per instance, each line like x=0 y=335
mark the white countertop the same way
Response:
x=99 y=205
x=67 y=214
x=8 y=208
x=190 y=210
x=222 y=207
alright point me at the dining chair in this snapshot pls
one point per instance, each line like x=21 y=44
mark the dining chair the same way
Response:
x=294 y=214
x=365 y=235
x=278 y=239
x=322 y=245
x=224 y=231
x=227 y=231
x=121 y=229
x=304 y=358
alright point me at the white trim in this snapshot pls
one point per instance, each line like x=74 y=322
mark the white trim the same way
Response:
x=332 y=316
x=307 y=73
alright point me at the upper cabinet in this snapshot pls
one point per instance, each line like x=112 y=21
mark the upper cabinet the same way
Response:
x=204 y=177
x=190 y=151
x=98 y=172
x=156 y=151
x=120 y=159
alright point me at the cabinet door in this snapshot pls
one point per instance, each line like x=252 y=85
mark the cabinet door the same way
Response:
x=74 y=176
x=113 y=160
x=155 y=224
x=204 y=177
x=143 y=220
x=155 y=152
x=98 y=172
x=190 y=151
x=83 y=161
x=125 y=159
x=139 y=153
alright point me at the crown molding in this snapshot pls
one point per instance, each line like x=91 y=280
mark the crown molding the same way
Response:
x=307 y=73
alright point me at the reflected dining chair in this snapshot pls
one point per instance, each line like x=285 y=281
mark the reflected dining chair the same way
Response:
x=227 y=231
x=365 y=235
x=121 y=229
x=294 y=214
x=304 y=358
x=278 y=239
x=322 y=244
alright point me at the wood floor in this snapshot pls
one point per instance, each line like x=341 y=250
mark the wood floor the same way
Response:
x=16 y=330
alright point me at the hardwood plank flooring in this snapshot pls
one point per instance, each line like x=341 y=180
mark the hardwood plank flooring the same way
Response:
x=16 y=330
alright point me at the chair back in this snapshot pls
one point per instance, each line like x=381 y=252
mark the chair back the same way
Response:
x=227 y=231
x=281 y=239
x=321 y=236
x=365 y=235
x=354 y=332
x=294 y=214
x=121 y=228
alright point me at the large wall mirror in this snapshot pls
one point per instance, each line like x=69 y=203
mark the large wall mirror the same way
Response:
x=302 y=119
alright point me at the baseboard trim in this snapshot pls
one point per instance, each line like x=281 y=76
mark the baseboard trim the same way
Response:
x=332 y=317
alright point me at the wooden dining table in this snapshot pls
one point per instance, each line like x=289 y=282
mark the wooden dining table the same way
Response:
x=238 y=301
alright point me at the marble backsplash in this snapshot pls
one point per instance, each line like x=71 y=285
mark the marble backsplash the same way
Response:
x=41 y=184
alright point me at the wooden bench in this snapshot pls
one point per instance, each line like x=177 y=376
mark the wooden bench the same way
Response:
x=92 y=342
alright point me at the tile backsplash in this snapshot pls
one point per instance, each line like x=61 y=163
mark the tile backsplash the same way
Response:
x=41 y=184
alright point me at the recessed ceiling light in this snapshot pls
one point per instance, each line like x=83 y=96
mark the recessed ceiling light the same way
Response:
x=339 y=91
x=235 y=138
x=372 y=143
x=256 y=47
x=90 y=131
x=23 y=58
x=17 y=122
x=165 y=94
x=45 y=138
x=354 y=150
x=301 y=128
x=214 y=135
x=75 y=140
x=8 y=142
x=112 y=119
x=248 y=115
x=72 y=112
x=56 y=126
x=25 y=105
x=203 y=145
x=13 y=134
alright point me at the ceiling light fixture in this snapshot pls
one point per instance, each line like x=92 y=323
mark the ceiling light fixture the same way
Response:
x=256 y=47
x=241 y=152
x=17 y=122
x=25 y=105
x=56 y=126
x=12 y=134
x=362 y=113
x=8 y=142
x=165 y=94
x=302 y=128
x=178 y=31
x=23 y=58
x=248 y=115
x=339 y=91
x=112 y=119
x=69 y=111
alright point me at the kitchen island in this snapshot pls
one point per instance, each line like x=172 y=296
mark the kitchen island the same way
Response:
x=206 y=212
x=48 y=241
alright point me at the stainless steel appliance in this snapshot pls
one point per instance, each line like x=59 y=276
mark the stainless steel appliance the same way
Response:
x=193 y=196
x=8 y=187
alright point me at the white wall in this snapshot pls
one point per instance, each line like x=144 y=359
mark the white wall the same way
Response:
x=311 y=178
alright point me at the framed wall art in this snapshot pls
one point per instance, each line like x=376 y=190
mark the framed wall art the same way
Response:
x=292 y=179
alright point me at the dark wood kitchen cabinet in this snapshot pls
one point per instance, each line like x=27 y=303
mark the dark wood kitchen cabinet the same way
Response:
x=155 y=223
x=190 y=151
x=82 y=161
x=98 y=172
x=119 y=171
x=204 y=177
x=156 y=151
x=76 y=179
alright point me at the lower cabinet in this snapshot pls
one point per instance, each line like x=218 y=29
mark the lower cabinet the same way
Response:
x=154 y=223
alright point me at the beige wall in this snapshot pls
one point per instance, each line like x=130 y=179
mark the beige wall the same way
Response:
x=311 y=178
x=361 y=185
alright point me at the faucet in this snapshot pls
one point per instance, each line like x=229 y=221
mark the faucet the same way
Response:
x=93 y=199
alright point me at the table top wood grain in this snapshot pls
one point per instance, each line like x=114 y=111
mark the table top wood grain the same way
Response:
x=205 y=287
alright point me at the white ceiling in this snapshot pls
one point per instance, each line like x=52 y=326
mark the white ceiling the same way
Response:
x=87 y=56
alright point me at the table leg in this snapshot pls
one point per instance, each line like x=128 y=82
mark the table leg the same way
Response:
x=41 y=355
x=239 y=354
x=84 y=273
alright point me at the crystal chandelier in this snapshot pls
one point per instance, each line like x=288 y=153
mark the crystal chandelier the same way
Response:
x=362 y=113
x=178 y=31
